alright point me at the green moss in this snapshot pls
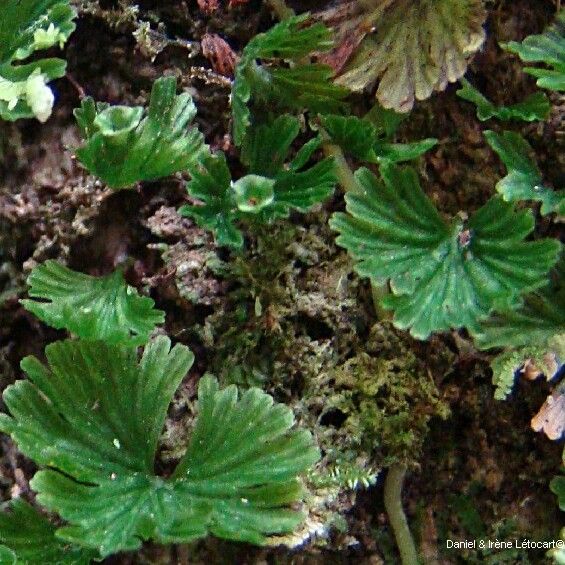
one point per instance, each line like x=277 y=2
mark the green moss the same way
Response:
x=378 y=403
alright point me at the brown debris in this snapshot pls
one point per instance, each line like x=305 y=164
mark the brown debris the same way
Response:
x=208 y=6
x=219 y=53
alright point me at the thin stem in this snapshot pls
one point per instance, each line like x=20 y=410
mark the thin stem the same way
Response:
x=345 y=175
x=379 y=291
x=393 y=505
x=349 y=183
x=282 y=11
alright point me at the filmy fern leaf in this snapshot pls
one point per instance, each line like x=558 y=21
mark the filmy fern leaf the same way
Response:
x=30 y=537
x=27 y=26
x=548 y=48
x=272 y=188
x=94 y=416
x=524 y=180
x=94 y=308
x=303 y=86
x=417 y=46
x=359 y=137
x=535 y=332
x=534 y=107
x=125 y=145
x=442 y=275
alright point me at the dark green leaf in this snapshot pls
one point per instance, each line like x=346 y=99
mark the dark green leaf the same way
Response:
x=548 y=48
x=524 y=180
x=94 y=415
x=126 y=145
x=359 y=138
x=30 y=537
x=211 y=183
x=299 y=87
x=534 y=107
x=442 y=275
x=95 y=308
x=270 y=191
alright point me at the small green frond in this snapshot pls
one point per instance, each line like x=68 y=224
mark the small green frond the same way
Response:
x=30 y=538
x=524 y=180
x=253 y=193
x=417 y=47
x=273 y=187
x=352 y=134
x=442 y=275
x=93 y=308
x=211 y=183
x=94 y=416
x=537 y=322
x=360 y=138
x=534 y=107
x=27 y=26
x=535 y=332
x=300 y=87
x=505 y=366
x=290 y=39
x=125 y=145
x=548 y=48
x=266 y=149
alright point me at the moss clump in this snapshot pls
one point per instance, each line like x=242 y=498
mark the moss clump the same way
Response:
x=377 y=403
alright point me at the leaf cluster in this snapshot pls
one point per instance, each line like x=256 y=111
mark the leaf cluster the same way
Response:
x=92 y=418
x=298 y=86
x=274 y=186
x=125 y=145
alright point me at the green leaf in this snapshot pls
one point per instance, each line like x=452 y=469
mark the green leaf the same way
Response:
x=7 y=556
x=300 y=87
x=540 y=319
x=506 y=365
x=534 y=107
x=94 y=308
x=548 y=48
x=94 y=415
x=534 y=332
x=442 y=275
x=557 y=486
x=30 y=538
x=524 y=180
x=352 y=134
x=359 y=138
x=273 y=187
x=253 y=193
x=417 y=47
x=266 y=150
x=125 y=145
x=211 y=183
x=27 y=26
